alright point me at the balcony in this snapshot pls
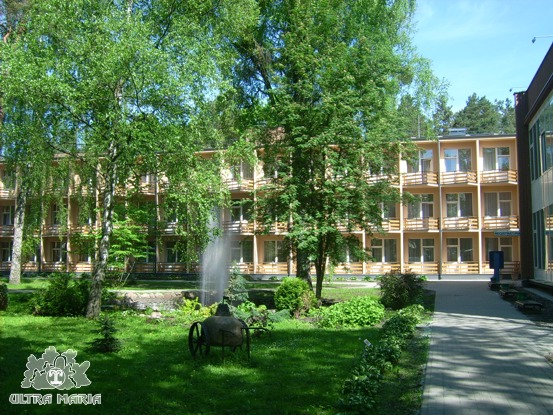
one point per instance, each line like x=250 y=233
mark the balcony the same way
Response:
x=422 y=267
x=387 y=225
x=499 y=176
x=460 y=267
x=460 y=223
x=500 y=222
x=239 y=185
x=243 y=227
x=458 y=177
x=380 y=268
x=80 y=267
x=509 y=267
x=375 y=178
x=349 y=268
x=6 y=230
x=420 y=178
x=423 y=224
x=6 y=193
x=54 y=230
x=272 y=268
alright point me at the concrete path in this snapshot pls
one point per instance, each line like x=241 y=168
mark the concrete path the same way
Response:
x=485 y=356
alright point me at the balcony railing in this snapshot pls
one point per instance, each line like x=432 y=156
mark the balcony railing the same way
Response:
x=412 y=224
x=7 y=193
x=460 y=268
x=458 y=177
x=6 y=230
x=509 y=267
x=349 y=268
x=379 y=268
x=420 y=178
x=54 y=230
x=239 y=226
x=375 y=178
x=499 y=176
x=80 y=267
x=500 y=222
x=272 y=268
x=462 y=223
x=422 y=267
x=388 y=225
x=244 y=184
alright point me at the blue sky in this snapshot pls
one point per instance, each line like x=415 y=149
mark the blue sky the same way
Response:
x=483 y=46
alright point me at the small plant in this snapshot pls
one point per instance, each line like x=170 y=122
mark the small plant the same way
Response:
x=192 y=310
x=357 y=312
x=236 y=292
x=107 y=343
x=62 y=297
x=401 y=290
x=259 y=316
x=295 y=296
x=3 y=296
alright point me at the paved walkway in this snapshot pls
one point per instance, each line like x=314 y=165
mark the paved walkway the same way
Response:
x=485 y=356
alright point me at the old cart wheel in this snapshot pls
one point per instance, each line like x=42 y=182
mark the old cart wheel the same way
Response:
x=246 y=336
x=198 y=340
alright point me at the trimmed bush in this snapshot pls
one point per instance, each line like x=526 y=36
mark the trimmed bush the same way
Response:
x=63 y=297
x=3 y=296
x=401 y=290
x=294 y=295
x=357 y=312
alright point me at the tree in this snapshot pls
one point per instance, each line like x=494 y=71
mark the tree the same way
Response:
x=443 y=116
x=124 y=84
x=507 y=123
x=319 y=81
x=479 y=116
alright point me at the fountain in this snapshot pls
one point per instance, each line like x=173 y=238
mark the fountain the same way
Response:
x=215 y=262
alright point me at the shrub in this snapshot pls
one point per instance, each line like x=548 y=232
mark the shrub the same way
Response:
x=62 y=297
x=3 y=296
x=357 y=312
x=259 y=316
x=294 y=295
x=236 y=292
x=192 y=310
x=107 y=343
x=401 y=290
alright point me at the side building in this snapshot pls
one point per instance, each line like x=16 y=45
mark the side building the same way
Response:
x=534 y=116
x=467 y=205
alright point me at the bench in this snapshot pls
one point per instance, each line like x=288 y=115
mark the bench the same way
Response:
x=529 y=305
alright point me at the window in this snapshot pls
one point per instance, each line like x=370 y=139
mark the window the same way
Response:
x=55 y=215
x=8 y=179
x=59 y=251
x=149 y=254
x=421 y=250
x=242 y=171
x=504 y=244
x=458 y=205
x=497 y=204
x=422 y=164
x=172 y=252
x=497 y=158
x=6 y=251
x=422 y=208
x=547 y=148
x=240 y=210
x=384 y=250
x=241 y=251
x=8 y=213
x=274 y=252
x=459 y=249
x=388 y=210
x=458 y=160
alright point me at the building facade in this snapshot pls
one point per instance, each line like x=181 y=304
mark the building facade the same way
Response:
x=534 y=114
x=466 y=190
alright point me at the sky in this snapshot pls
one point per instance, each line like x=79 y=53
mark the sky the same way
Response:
x=483 y=46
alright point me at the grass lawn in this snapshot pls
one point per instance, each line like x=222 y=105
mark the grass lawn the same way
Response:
x=297 y=369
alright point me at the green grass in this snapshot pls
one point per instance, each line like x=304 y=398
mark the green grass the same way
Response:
x=296 y=369
x=26 y=283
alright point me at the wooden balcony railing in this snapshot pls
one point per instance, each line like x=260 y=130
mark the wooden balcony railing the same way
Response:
x=349 y=268
x=509 y=267
x=272 y=268
x=420 y=178
x=6 y=230
x=460 y=268
x=54 y=230
x=422 y=268
x=54 y=266
x=500 y=222
x=462 y=223
x=388 y=225
x=411 y=224
x=458 y=177
x=380 y=268
x=239 y=226
x=80 y=267
x=375 y=178
x=244 y=184
x=499 y=176
x=6 y=193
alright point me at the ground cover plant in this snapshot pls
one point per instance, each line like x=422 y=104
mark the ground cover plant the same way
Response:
x=298 y=368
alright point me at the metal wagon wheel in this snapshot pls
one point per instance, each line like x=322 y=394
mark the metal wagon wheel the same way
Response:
x=198 y=340
x=246 y=334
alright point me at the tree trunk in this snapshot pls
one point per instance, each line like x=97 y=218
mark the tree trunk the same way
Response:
x=95 y=297
x=303 y=266
x=18 y=223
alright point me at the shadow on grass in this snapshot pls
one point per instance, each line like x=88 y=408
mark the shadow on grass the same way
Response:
x=296 y=369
